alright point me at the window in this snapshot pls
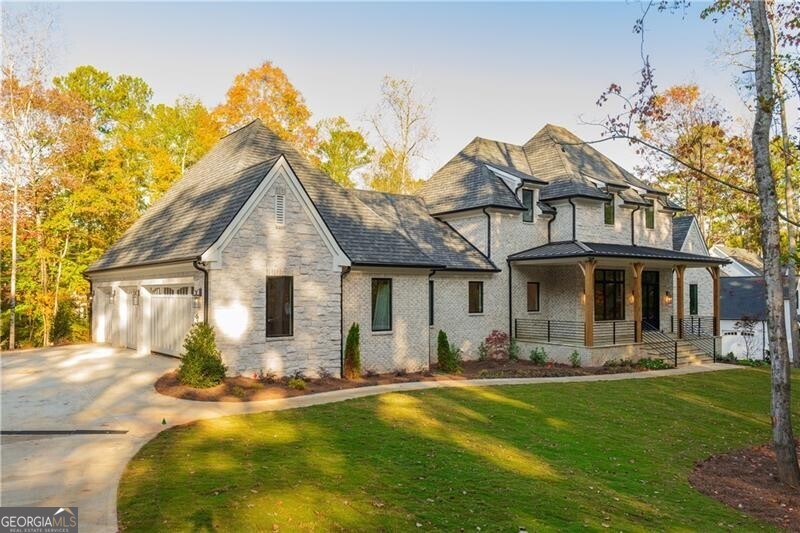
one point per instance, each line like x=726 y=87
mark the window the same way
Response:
x=533 y=296
x=693 y=299
x=430 y=302
x=609 y=295
x=608 y=212
x=280 y=209
x=649 y=218
x=476 y=297
x=280 y=303
x=527 y=201
x=381 y=304
x=184 y=291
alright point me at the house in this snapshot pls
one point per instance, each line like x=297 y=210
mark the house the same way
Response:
x=743 y=319
x=550 y=241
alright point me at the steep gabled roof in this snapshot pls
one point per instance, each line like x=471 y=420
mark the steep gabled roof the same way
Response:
x=680 y=229
x=435 y=238
x=465 y=182
x=750 y=260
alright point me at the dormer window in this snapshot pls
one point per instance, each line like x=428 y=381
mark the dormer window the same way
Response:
x=649 y=218
x=608 y=212
x=527 y=202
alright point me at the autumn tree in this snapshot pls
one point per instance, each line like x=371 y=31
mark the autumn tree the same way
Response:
x=265 y=92
x=401 y=122
x=341 y=150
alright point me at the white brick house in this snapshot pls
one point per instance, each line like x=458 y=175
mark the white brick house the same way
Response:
x=281 y=260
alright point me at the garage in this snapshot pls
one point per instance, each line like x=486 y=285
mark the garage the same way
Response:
x=171 y=317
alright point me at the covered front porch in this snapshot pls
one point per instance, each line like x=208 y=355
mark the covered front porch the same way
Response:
x=598 y=295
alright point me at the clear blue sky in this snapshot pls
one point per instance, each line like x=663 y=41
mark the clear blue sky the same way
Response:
x=494 y=70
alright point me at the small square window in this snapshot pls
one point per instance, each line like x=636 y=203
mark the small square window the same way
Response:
x=475 y=297
x=649 y=218
x=533 y=296
x=608 y=213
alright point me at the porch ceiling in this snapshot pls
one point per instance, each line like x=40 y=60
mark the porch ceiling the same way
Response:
x=570 y=252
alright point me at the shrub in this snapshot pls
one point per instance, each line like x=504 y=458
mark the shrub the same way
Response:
x=352 y=353
x=324 y=373
x=238 y=391
x=449 y=356
x=652 y=364
x=296 y=383
x=497 y=344
x=513 y=350
x=483 y=352
x=201 y=361
x=266 y=376
x=538 y=356
x=575 y=359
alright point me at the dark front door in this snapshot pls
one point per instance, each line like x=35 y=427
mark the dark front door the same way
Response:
x=650 y=303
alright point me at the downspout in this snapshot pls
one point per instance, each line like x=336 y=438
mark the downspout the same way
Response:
x=430 y=277
x=549 y=234
x=201 y=266
x=569 y=200
x=633 y=226
x=510 y=312
x=91 y=306
x=488 y=233
x=345 y=271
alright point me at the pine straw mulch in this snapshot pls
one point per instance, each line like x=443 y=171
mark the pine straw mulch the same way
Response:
x=245 y=388
x=747 y=480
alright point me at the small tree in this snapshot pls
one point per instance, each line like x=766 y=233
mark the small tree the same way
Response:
x=746 y=328
x=498 y=344
x=352 y=353
x=201 y=361
x=448 y=356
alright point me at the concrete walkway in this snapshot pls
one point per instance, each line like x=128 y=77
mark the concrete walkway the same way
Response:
x=89 y=387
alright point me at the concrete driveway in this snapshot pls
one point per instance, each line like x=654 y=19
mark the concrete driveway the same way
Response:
x=88 y=390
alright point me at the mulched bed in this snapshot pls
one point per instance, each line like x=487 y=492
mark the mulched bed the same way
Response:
x=747 y=480
x=243 y=389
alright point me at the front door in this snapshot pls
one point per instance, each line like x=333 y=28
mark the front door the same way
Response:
x=650 y=304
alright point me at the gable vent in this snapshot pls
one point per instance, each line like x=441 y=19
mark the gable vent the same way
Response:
x=280 y=209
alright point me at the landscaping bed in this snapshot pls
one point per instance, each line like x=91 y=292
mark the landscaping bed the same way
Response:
x=254 y=388
x=747 y=480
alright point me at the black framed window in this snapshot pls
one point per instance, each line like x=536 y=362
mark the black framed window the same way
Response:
x=533 y=296
x=649 y=218
x=381 y=304
x=693 y=299
x=608 y=212
x=430 y=302
x=280 y=306
x=527 y=202
x=476 y=297
x=609 y=295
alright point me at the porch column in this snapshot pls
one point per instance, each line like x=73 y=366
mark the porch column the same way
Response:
x=637 y=301
x=715 y=273
x=679 y=269
x=588 y=267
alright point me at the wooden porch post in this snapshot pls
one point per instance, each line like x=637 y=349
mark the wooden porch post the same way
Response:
x=679 y=269
x=637 y=300
x=588 y=267
x=714 y=271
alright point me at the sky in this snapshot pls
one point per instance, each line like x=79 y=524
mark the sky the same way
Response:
x=495 y=70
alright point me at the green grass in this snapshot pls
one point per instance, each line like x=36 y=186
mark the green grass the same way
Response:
x=547 y=457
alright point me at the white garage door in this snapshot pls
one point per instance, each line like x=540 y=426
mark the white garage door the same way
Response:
x=171 y=316
x=130 y=320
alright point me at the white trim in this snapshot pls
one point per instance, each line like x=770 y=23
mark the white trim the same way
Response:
x=281 y=168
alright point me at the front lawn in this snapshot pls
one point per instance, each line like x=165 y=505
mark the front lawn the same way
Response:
x=548 y=457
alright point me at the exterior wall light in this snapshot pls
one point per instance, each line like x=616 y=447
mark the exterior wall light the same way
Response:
x=196 y=294
x=668 y=298
x=631 y=298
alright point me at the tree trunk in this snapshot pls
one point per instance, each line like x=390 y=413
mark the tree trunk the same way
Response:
x=12 y=322
x=58 y=276
x=783 y=439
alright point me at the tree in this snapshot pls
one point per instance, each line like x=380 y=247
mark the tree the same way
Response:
x=352 y=353
x=341 y=150
x=746 y=328
x=265 y=92
x=402 y=123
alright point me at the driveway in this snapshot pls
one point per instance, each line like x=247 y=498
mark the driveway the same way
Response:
x=103 y=401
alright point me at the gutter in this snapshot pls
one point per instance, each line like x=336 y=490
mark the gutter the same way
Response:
x=430 y=326
x=569 y=200
x=549 y=222
x=510 y=300
x=345 y=272
x=201 y=266
x=633 y=226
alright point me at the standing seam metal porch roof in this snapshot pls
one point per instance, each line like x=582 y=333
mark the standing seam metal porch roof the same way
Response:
x=579 y=249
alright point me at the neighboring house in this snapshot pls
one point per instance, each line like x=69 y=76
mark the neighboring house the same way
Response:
x=549 y=240
x=743 y=300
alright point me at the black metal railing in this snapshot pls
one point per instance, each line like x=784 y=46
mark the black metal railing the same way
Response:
x=565 y=331
x=693 y=325
x=614 y=332
x=660 y=344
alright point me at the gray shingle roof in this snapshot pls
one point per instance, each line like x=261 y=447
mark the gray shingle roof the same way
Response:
x=680 y=229
x=566 y=249
x=750 y=260
x=741 y=297
x=199 y=206
x=435 y=238
x=567 y=188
